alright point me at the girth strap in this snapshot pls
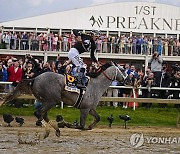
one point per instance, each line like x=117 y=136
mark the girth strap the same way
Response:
x=79 y=100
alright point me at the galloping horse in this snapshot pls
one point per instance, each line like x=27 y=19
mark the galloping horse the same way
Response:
x=49 y=88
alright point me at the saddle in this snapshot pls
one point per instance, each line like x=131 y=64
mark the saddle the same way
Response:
x=70 y=86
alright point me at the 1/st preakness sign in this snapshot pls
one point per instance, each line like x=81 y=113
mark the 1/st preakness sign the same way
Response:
x=141 y=17
x=152 y=17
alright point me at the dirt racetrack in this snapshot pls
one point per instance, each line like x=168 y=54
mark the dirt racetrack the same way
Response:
x=101 y=140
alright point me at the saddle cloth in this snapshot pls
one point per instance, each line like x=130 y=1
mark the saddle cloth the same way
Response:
x=72 y=89
x=70 y=82
x=70 y=86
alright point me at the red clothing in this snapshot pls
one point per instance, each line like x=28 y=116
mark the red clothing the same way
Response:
x=14 y=76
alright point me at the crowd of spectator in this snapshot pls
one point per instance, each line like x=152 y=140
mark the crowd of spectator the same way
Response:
x=156 y=75
x=125 y=44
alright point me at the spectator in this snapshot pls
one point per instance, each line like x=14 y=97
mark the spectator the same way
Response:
x=105 y=45
x=1 y=34
x=29 y=71
x=3 y=76
x=24 y=40
x=40 y=41
x=112 y=92
x=14 y=41
x=54 y=42
x=8 y=62
x=53 y=67
x=159 y=47
x=156 y=66
x=143 y=84
x=37 y=67
x=7 y=40
x=134 y=41
x=150 y=45
x=149 y=82
x=14 y=73
x=34 y=42
x=46 y=67
x=111 y=44
x=175 y=83
x=165 y=43
x=99 y=43
x=45 y=42
x=3 y=73
x=139 y=45
x=133 y=69
x=127 y=69
x=145 y=46
x=164 y=82
x=59 y=67
x=65 y=42
x=129 y=81
x=122 y=44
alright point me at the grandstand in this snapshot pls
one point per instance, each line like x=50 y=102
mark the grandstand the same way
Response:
x=126 y=19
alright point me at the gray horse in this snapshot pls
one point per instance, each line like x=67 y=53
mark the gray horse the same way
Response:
x=49 y=88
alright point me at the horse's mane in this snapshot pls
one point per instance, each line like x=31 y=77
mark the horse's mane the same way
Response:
x=99 y=70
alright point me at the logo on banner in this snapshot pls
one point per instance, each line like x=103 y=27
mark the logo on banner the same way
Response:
x=96 y=21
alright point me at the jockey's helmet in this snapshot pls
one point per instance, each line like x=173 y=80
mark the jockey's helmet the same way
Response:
x=95 y=32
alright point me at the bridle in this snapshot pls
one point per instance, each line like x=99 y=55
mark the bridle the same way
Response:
x=114 y=77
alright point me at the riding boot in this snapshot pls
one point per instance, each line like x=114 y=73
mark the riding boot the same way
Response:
x=81 y=80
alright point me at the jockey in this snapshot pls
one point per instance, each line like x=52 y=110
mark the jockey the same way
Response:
x=84 y=43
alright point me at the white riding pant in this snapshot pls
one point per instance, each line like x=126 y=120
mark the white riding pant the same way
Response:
x=73 y=55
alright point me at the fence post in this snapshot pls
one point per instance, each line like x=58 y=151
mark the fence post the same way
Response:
x=45 y=56
x=111 y=48
x=146 y=63
x=60 y=45
x=29 y=45
x=178 y=119
x=19 y=41
x=134 y=96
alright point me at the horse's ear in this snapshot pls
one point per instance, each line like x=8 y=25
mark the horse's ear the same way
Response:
x=112 y=63
x=116 y=64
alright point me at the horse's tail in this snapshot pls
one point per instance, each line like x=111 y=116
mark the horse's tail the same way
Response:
x=23 y=87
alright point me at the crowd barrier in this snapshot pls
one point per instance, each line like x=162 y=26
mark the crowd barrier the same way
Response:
x=120 y=99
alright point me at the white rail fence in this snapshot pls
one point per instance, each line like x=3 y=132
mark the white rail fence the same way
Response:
x=121 y=99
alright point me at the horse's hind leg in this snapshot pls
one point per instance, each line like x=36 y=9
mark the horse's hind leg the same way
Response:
x=42 y=114
x=96 y=116
x=52 y=124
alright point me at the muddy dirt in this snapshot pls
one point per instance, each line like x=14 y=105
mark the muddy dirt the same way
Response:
x=101 y=140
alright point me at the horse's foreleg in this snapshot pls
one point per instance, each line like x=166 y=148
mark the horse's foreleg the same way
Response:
x=96 y=116
x=47 y=130
x=52 y=124
x=83 y=115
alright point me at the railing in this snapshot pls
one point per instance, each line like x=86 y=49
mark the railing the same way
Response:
x=102 y=47
x=122 y=99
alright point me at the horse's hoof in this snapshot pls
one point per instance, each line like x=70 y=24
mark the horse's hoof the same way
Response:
x=89 y=128
x=79 y=127
x=84 y=129
x=46 y=134
x=58 y=133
